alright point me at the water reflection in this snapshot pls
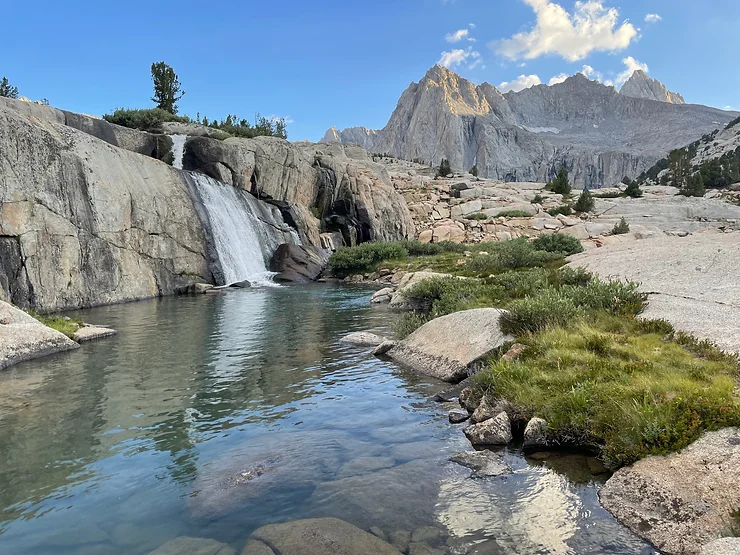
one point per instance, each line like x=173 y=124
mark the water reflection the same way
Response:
x=215 y=415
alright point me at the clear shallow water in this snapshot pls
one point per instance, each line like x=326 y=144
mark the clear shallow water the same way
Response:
x=211 y=416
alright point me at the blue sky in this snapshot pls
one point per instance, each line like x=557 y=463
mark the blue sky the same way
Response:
x=345 y=63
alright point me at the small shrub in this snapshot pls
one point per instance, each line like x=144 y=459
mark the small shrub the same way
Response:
x=585 y=202
x=476 y=216
x=510 y=255
x=513 y=214
x=633 y=190
x=611 y=194
x=474 y=171
x=621 y=228
x=614 y=296
x=560 y=184
x=558 y=243
x=656 y=326
x=570 y=276
x=538 y=199
x=142 y=119
x=563 y=209
x=364 y=257
x=521 y=283
x=408 y=323
x=444 y=168
x=532 y=314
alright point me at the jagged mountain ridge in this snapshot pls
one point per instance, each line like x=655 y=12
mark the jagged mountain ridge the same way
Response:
x=599 y=134
x=640 y=85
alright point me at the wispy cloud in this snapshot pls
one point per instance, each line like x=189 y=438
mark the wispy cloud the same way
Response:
x=590 y=28
x=653 y=18
x=458 y=35
x=631 y=65
x=287 y=119
x=521 y=82
x=559 y=78
x=457 y=57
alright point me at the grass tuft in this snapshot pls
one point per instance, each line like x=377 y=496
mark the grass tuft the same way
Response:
x=66 y=326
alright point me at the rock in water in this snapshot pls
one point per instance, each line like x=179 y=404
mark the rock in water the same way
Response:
x=496 y=431
x=484 y=464
x=299 y=264
x=449 y=347
x=22 y=337
x=363 y=338
x=456 y=416
x=535 y=434
x=681 y=501
x=89 y=333
x=384 y=347
x=383 y=296
x=316 y=536
x=484 y=411
x=244 y=284
x=193 y=546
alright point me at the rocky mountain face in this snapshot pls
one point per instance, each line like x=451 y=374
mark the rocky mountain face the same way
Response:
x=642 y=86
x=598 y=134
x=90 y=215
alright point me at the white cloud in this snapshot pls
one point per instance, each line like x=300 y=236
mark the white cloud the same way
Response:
x=591 y=73
x=521 y=82
x=287 y=119
x=554 y=80
x=653 y=18
x=457 y=36
x=457 y=57
x=631 y=65
x=471 y=25
x=591 y=27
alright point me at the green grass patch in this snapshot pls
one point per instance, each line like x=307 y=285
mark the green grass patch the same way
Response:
x=513 y=214
x=618 y=385
x=479 y=216
x=67 y=326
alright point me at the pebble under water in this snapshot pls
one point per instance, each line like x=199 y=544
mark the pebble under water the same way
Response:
x=212 y=416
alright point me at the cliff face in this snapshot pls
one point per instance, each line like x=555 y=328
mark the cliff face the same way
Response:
x=89 y=215
x=642 y=86
x=599 y=134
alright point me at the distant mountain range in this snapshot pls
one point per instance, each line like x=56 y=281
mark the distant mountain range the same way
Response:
x=599 y=134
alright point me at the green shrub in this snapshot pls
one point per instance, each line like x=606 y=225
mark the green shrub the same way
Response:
x=558 y=243
x=563 y=209
x=570 y=276
x=611 y=194
x=417 y=248
x=510 y=255
x=621 y=228
x=143 y=119
x=444 y=168
x=633 y=190
x=364 y=257
x=513 y=214
x=408 y=323
x=538 y=199
x=560 y=184
x=474 y=171
x=585 y=202
x=694 y=186
x=617 y=297
x=476 y=216
x=440 y=296
x=521 y=283
x=536 y=313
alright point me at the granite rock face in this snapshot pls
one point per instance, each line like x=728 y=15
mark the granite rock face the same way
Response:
x=682 y=501
x=642 y=86
x=598 y=134
x=87 y=223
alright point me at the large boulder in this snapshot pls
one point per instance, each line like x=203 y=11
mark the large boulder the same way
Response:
x=681 y=501
x=298 y=264
x=451 y=346
x=316 y=536
x=22 y=337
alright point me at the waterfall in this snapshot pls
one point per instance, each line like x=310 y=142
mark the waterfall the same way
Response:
x=178 y=150
x=243 y=231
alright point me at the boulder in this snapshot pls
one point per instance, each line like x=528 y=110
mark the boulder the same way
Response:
x=89 y=333
x=426 y=236
x=298 y=264
x=383 y=296
x=484 y=464
x=22 y=337
x=363 y=338
x=406 y=283
x=496 y=431
x=456 y=416
x=681 y=501
x=316 y=536
x=185 y=545
x=384 y=347
x=448 y=232
x=469 y=399
x=722 y=546
x=535 y=434
x=244 y=284
x=451 y=346
x=195 y=289
x=484 y=411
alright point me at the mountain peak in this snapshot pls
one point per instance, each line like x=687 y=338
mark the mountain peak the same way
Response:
x=641 y=85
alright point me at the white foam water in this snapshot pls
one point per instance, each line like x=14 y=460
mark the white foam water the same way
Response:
x=178 y=150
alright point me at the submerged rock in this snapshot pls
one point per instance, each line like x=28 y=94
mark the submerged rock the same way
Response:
x=194 y=546
x=449 y=347
x=316 y=536
x=89 y=333
x=681 y=501
x=22 y=337
x=496 y=431
x=484 y=464
x=363 y=338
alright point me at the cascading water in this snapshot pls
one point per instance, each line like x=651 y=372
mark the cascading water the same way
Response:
x=178 y=150
x=245 y=232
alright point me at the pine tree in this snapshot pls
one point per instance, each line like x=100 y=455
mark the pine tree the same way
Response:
x=474 y=171
x=621 y=228
x=694 y=186
x=560 y=184
x=585 y=202
x=167 y=89
x=7 y=90
x=633 y=190
x=444 y=168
